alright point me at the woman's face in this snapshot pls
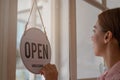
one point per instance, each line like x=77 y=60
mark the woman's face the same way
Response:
x=98 y=40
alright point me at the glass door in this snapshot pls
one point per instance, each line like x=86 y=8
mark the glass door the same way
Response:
x=24 y=7
x=56 y=20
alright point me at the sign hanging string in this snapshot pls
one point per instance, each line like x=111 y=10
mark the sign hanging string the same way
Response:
x=35 y=3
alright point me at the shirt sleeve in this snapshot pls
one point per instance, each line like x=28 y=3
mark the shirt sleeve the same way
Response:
x=116 y=77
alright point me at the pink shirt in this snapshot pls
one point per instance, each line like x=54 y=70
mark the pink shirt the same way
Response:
x=112 y=74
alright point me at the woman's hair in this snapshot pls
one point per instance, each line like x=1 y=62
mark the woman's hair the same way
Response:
x=110 y=21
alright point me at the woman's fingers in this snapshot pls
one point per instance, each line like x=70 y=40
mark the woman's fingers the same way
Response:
x=50 y=72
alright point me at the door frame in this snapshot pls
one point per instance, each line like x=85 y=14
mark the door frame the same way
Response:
x=8 y=25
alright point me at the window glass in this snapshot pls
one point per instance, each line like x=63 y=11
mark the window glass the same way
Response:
x=88 y=65
x=113 y=3
x=24 y=7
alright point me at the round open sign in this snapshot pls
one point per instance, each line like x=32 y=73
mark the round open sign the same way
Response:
x=35 y=50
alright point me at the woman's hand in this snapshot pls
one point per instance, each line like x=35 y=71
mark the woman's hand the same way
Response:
x=50 y=72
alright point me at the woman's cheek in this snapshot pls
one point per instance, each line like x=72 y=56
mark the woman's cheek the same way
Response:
x=95 y=46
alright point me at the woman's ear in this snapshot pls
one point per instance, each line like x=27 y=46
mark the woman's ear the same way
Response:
x=108 y=36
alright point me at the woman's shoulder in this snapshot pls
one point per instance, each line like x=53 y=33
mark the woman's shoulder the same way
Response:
x=114 y=72
x=113 y=75
x=116 y=77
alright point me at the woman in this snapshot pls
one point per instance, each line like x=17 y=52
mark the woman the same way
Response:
x=106 y=42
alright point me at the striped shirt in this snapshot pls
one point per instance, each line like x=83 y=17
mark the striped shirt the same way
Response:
x=112 y=74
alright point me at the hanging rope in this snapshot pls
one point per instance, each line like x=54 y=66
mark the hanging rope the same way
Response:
x=35 y=3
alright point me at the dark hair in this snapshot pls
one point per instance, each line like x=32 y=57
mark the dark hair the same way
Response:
x=110 y=21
